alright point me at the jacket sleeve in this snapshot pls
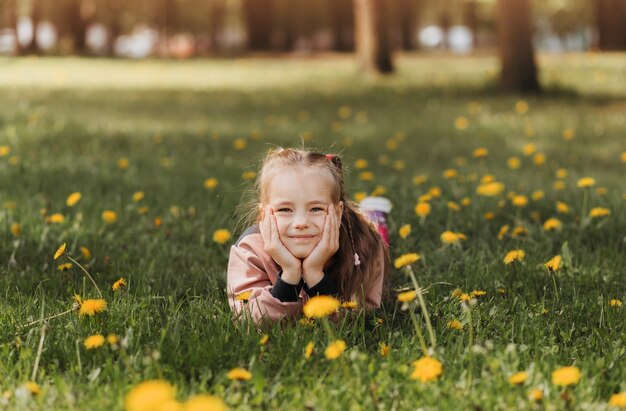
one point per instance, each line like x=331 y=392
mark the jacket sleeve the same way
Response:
x=248 y=270
x=374 y=292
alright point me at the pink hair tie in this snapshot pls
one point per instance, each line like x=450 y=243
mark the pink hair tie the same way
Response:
x=357 y=261
x=330 y=157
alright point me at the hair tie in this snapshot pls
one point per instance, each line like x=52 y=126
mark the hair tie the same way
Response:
x=330 y=156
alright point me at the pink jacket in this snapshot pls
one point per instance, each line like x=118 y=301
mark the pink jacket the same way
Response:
x=250 y=268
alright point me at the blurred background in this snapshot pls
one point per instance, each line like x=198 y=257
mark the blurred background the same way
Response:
x=374 y=29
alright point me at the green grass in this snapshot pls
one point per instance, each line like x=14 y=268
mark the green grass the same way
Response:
x=68 y=121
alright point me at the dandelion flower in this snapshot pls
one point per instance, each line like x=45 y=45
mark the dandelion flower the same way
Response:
x=480 y=152
x=539 y=159
x=453 y=206
x=33 y=388
x=122 y=163
x=244 y=296
x=109 y=216
x=92 y=307
x=239 y=374
x=618 y=400
x=478 y=293
x=426 y=369
x=520 y=201
x=366 y=176
x=521 y=107
x=112 y=339
x=562 y=208
x=203 y=402
x=210 y=183
x=490 y=189
x=221 y=236
x=94 y=341
x=450 y=173
x=565 y=376
x=536 y=395
x=450 y=237
x=502 y=232
x=320 y=306
x=518 y=378
x=249 y=175
x=361 y=164
x=16 y=229
x=4 y=151
x=359 y=196
x=264 y=339
x=149 y=395
x=64 y=267
x=513 y=163
x=384 y=349
x=406 y=259
x=419 y=179
x=599 y=212
x=119 y=284
x=552 y=224
x=85 y=253
x=56 y=218
x=615 y=303
x=553 y=264
x=455 y=325
x=407 y=296
x=350 y=305
x=422 y=209
x=138 y=196
x=335 y=349
x=72 y=199
x=514 y=255
x=586 y=182
x=529 y=149
x=461 y=123
x=308 y=350
x=404 y=231
x=60 y=251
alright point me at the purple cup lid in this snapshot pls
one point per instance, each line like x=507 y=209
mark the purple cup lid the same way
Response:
x=376 y=204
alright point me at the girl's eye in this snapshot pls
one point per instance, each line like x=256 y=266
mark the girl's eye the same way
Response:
x=283 y=210
x=317 y=209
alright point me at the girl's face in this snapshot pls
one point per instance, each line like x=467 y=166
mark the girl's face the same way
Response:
x=300 y=200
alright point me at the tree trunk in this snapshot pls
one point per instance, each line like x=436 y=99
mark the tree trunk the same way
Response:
x=218 y=13
x=444 y=23
x=407 y=16
x=258 y=20
x=11 y=21
x=342 y=20
x=371 y=36
x=611 y=24
x=35 y=14
x=470 y=19
x=80 y=15
x=518 y=69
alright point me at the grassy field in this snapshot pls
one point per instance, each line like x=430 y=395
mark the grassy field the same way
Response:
x=110 y=129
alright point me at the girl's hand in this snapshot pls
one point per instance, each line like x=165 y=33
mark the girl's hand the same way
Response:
x=313 y=265
x=291 y=265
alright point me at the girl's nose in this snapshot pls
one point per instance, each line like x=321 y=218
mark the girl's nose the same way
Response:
x=300 y=220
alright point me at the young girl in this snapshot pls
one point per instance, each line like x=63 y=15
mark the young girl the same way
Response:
x=308 y=240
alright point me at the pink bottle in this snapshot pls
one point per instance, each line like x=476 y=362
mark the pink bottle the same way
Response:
x=376 y=209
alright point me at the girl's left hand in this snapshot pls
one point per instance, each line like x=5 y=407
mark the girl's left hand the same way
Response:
x=326 y=247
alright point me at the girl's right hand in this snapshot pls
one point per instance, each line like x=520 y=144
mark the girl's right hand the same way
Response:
x=291 y=265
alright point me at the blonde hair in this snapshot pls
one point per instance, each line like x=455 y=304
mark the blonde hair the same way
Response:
x=356 y=234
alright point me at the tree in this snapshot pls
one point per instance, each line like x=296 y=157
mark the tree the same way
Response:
x=35 y=16
x=611 y=24
x=518 y=69
x=371 y=35
x=257 y=15
x=342 y=24
x=407 y=17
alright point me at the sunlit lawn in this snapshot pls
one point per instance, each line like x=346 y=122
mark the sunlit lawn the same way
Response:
x=65 y=124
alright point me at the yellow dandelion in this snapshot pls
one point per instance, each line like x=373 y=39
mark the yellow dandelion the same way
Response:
x=539 y=159
x=623 y=156
x=221 y=236
x=520 y=201
x=240 y=143
x=399 y=165
x=16 y=229
x=149 y=395
x=519 y=231
x=615 y=303
x=335 y=349
x=112 y=339
x=244 y=296
x=138 y=196
x=480 y=152
x=392 y=144
x=426 y=369
x=407 y=296
x=33 y=388
x=466 y=201
x=359 y=196
x=461 y=123
x=599 y=212
x=143 y=210
x=489 y=215
x=211 y=183
x=562 y=208
x=73 y=198
x=406 y=259
x=450 y=237
x=618 y=400
x=518 y=378
x=109 y=216
x=384 y=349
x=122 y=163
x=553 y=264
x=308 y=350
x=264 y=339
x=366 y=176
x=455 y=325
x=601 y=191
x=586 y=182
x=404 y=231
x=568 y=134
x=60 y=251
x=529 y=149
x=450 y=173
x=64 y=267
x=203 y=402
x=320 y=306
x=4 y=151
x=478 y=293
x=536 y=395
x=514 y=255
x=537 y=195
x=56 y=218
x=94 y=341
x=424 y=198
x=249 y=175
x=521 y=107
x=464 y=297
x=361 y=164
x=559 y=185
x=565 y=376
x=92 y=306
x=422 y=209
x=453 y=206
x=502 y=232
x=350 y=305
x=378 y=191
x=490 y=189
x=239 y=374
x=420 y=179
x=561 y=173
x=513 y=163
x=119 y=284
x=552 y=224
